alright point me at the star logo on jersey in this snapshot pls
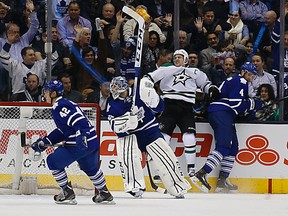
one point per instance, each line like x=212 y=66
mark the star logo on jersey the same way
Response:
x=181 y=78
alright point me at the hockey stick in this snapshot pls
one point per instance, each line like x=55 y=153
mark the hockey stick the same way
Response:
x=276 y=101
x=138 y=56
x=153 y=185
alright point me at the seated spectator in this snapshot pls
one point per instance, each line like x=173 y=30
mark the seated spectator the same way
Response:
x=18 y=69
x=69 y=93
x=271 y=110
x=261 y=77
x=130 y=27
x=221 y=9
x=239 y=33
x=221 y=72
x=100 y=96
x=66 y=25
x=64 y=64
x=59 y=9
x=245 y=56
x=32 y=90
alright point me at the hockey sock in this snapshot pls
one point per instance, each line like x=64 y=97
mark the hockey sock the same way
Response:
x=227 y=165
x=190 y=148
x=61 y=177
x=213 y=160
x=98 y=180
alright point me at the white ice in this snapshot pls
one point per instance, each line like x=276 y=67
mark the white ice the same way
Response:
x=151 y=204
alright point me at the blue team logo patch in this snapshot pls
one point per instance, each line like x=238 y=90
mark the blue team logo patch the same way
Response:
x=181 y=78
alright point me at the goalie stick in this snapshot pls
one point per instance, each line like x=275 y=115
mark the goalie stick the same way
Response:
x=138 y=56
x=153 y=185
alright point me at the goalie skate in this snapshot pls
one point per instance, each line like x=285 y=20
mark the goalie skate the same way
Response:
x=199 y=180
x=66 y=197
x=104 y=197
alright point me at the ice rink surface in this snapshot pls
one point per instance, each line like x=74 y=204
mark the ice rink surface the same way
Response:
x=151 y=204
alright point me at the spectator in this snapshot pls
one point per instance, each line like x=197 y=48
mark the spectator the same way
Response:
x=64 y=63
x=69 y=93
x=261 y=77
x=208 y=54
x=59 y=9
x=32 y=91
x=100 y=96
x=66 y=25
x=245 y=56
x=221 y=72
x=220 y=7
x=18 y=69
x=271 y=110
x=253 y=15
x=130 y=27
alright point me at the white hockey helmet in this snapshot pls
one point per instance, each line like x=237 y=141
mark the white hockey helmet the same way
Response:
x=183 y=53
x=118 y=85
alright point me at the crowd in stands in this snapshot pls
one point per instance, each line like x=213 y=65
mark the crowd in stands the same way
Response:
x=218 y=35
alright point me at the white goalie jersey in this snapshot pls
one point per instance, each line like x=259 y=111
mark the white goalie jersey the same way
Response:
x=180 y=83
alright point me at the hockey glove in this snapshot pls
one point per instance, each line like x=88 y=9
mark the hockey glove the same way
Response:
x=41 y=144
x=81 y=139
x=214 y=92
x=259 y=104
x=148 y=94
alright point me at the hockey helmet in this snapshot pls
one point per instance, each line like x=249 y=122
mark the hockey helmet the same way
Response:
x=54 y=85
x=183 y=53
x=118 y=85
x=249 y=67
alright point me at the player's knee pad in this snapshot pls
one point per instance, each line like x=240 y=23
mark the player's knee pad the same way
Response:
x=129 y=157
x=168 y=167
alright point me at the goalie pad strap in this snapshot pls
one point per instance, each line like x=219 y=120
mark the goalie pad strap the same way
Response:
x=129 y=157
x=166 y=164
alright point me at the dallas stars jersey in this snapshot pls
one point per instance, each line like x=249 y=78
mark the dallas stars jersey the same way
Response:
x=147 y=130
x=69 y=118
x=234 y=97
x=180 y=83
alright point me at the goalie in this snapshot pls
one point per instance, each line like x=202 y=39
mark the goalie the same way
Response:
x=138 y=130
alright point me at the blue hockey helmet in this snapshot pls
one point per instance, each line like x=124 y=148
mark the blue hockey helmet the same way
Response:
x=249 y=67
x=54 y=85
x=118 y=85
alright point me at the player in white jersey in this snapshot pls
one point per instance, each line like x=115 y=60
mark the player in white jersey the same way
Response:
x=178 y=84
x=80 y=144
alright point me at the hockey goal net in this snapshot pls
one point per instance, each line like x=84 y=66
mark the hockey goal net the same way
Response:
x=35 y=119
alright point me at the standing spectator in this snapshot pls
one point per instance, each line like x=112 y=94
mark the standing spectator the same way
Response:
x=261 y=77
x=69 y=93
x=66 y=25
x=252 y=12
x=59 y=9
x=32 y=91
x=221 y=116
x=178 y=84
x=18 y=69
x=80 y=143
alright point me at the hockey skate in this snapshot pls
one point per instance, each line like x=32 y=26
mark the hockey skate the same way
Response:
x=157 y=179
x=67 y=196
x=200 y=181
x=225 y=186
x=137 y=194
x=104 y=197
x=191 y=171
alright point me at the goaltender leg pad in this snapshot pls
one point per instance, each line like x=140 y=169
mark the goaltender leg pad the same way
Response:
x=129 y=157
x=168 y=167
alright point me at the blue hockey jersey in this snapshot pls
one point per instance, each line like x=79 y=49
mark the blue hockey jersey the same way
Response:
x=234 y=97
x=148 y=128
x=70 y=121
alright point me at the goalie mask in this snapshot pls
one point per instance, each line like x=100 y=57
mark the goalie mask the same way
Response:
x=184 y=54
x=54 y=85
x=118 y=85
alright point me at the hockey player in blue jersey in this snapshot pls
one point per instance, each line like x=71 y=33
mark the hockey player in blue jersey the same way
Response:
x=137 y=128
x=80 y=144
x=221 y=116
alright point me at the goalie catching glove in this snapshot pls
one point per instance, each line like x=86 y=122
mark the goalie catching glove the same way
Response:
x=148 y=94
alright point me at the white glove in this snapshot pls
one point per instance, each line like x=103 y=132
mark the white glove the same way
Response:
x=148 y=94
x=34 y=155
x=125 y=122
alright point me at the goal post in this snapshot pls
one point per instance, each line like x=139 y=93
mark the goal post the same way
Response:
x=35 y=120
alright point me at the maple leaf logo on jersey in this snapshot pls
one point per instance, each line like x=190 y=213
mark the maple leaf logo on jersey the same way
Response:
x=181 y=78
